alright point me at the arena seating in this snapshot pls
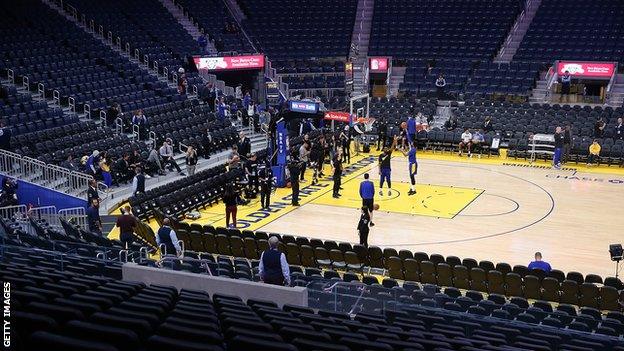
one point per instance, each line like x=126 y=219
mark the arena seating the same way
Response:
x=468 y=274
x=574 y=30
x=212 y=16
x=147 y=26
x=190 y=193
x=75 y=309
x=322 y=30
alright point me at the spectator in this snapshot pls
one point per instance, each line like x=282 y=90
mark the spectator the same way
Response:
x=619 y=130
x=306 y=126
x=93 y=217
x=558 y=148
x=9 y=192
x=539 y=264
x=5 y=136
x=69 y=163
x=251 y=172
x=92 y=192
x=222 y=109
x=166 y=153
x=112 y=113
x=139 y=120
x=126 y=224
x=246 y=100
x=599 y=128
x=451 y=123
x=265 y=176
x=566 y=81
x=234 y=158
x=382 y=134
x=202 y=42
x=294 y=168
x=93 y=162
x=106 y=171
x=230 y=199
x=138 y=182
x=466 y=142
x=594 y=152
x=487 y=125
x=122 y=169
x=154 y=159
x=135 y=159
x=191 y=160
x=273 y=267
x=477 y=140
x=244 y=144
x=364 y=225
x=182 y=82
x=440 y=85
x=238 y=93
x=167 y=236
x=567 y=140
x=304 y=156
x=250 y=113
x=367 y=193
x=206 y=144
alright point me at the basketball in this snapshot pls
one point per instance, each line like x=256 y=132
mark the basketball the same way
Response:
x=403 y=125
x=288 y=185
x=376 y=206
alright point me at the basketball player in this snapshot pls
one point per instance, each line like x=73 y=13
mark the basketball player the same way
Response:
x=384 y=167
x=411 y=130
x=412 y=167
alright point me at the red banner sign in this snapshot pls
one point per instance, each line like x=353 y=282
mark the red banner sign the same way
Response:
x=586 y=69
x=378 y=64
x=229 y=62
x=338 y=116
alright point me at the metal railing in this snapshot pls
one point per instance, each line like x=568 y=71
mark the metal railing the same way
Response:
x=41 y=90
x=136 y=131
x=56 y=95
x=76 y=214
x=103 y=117
x=18 y=213
x=46 y=175
x=26 y=82
x=46 y=213
x=11 y=76
x=87 y=110
x=119 y=125
x=72 y=104
x=515 y=27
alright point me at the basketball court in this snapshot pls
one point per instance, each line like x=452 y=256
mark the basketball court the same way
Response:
x=487 y=209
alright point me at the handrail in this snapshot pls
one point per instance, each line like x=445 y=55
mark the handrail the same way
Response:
x=72 y=103
x=41 y=89
x=136 y=131
x=87 y=110
x=182 y=147
x=26 y=82
x=227 y=5
x=56 y=96
x=119 y=125
x=11 y=75
x=513 y=29
x=611 y=81
x=103 y=117
x=77 y=213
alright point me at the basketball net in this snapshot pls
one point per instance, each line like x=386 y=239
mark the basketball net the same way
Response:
x=368 y=123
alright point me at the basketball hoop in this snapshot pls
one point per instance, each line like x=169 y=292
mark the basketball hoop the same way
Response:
x=368 y=122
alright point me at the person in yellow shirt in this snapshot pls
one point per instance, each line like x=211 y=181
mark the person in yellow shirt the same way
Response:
x=106 y=173
x=594 y=152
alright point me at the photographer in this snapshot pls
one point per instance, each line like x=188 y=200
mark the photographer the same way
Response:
x=9 y=189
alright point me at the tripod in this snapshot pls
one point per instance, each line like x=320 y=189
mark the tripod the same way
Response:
x=617 y=267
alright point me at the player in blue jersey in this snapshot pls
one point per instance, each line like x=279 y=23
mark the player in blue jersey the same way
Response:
x=412 y=169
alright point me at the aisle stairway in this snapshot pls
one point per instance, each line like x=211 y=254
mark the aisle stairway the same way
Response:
x=359 y=44
x=186 y=23
x=510 y=47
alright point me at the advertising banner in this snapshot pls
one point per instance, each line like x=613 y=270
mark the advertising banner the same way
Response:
x=282 y=143
x=580 y=69
x=378 y=64
x=338 y=116
x=227 y=63
x=303 y=106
